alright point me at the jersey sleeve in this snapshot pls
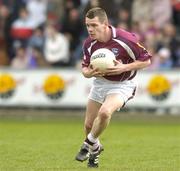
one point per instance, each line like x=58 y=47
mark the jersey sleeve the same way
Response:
x=86 y=55
x=139 y=51
x=131 y=40
x=143 y=54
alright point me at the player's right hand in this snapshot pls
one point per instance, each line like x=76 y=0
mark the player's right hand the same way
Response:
x=92 y=72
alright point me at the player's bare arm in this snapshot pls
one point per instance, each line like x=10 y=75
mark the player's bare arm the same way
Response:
x=119 y=67
x=89 y=72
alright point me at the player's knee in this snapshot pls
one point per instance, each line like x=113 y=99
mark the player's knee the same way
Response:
x=105 y=114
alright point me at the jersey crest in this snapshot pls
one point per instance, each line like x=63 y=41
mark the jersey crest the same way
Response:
x=115 y=51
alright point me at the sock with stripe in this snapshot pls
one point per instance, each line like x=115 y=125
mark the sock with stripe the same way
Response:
x=93 y=143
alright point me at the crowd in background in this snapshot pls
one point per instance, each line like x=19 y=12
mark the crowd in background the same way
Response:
x=50 y=33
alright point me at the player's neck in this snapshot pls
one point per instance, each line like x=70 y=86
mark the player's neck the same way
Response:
x=106 y=36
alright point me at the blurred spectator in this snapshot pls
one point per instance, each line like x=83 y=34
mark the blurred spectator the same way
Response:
x=14 y=7
x=55 y=10
x=56 y=47
x=89 y=5
x=36 y=59
x=159 y=11
x=171 y=40
x=4 y=60
x=161 y=60
x=69 y=4
x=22 y=28
x=72 y=27
x=37 y=39
x=165 y=58
x=5 y=24
x=4 y=12
x=110 y=8
x=155 y=23
x=122 y=25
x=123 y=19
x=150 y=35
x=136 y=29
x=141 y=10
x=84 y=3
x=37 y=11
x=20 y=61
x=174 y=46
x=176 y=13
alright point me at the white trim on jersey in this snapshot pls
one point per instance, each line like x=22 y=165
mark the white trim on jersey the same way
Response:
x=113 y=31
x=92 y=43
x=128 y=50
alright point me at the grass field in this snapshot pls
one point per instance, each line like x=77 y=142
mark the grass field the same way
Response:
x=132 y=143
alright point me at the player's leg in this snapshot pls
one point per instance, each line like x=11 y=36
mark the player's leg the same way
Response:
x=117 y=96
x=91 y=113
x=111 y=104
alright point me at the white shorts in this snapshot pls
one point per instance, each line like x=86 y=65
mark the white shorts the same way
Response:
x=102 y=87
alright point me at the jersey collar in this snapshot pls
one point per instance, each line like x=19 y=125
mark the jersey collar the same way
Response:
x=113 y=29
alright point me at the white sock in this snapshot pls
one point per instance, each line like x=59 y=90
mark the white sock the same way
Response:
x=91 y=138
x=95 y=141
x=95 y=146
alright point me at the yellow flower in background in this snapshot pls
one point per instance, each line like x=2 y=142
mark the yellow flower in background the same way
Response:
x=158 y=85
x=7 y=83
x=53 y=84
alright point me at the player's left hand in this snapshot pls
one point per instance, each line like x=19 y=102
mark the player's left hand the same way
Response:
x=117 y=69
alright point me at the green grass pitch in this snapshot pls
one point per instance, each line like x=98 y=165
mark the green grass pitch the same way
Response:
x=131 y=144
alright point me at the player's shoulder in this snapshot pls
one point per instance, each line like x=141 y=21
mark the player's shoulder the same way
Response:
x=126 y=35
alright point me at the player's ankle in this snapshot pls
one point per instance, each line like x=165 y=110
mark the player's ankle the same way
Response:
x=91 y=138
x=92 y=142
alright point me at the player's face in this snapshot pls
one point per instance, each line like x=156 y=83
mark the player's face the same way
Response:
x=95 y=28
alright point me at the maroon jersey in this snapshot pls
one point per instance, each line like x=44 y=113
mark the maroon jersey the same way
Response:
x=124 y=45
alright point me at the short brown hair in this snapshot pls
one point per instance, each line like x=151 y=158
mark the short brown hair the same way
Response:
x=97 y=12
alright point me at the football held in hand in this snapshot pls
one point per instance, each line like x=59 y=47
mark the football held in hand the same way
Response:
x=102 y=59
